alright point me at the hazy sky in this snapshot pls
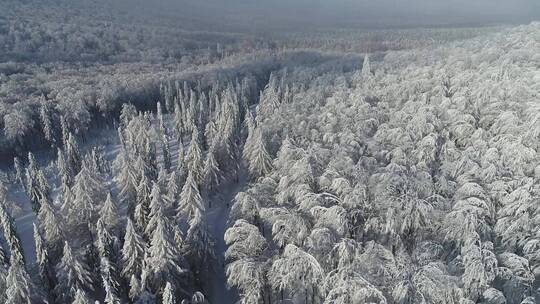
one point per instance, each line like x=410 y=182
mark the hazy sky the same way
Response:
x=306 y=14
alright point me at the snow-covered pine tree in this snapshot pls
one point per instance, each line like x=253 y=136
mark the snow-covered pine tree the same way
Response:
x=11 y=236
x=157 y=206
x=65 y=176
x=109 y=280
x=45 y=266
x=168 y=295
x=132 y=253
x=366 y=67
x=162 y=179
x=109 y=214
x=190 y=199
x=142 y=210
x=259 y=161
x=73 y=155
x=194 y=156
x=166 y=151
x=50 y=224
x=181 y=166
x=173 y=192
x=18 y=283
x=72 y=275
x=88 y=192
x=163 y=259
x=46 y=122
x=127 y=181
x=81 y=298
x=178 y=122
x=200 y=244
x=32 y=183
x=212 y=175
x=18 y=171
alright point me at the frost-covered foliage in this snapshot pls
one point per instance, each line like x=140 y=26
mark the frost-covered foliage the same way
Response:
x=412 y=180
x=404 y=177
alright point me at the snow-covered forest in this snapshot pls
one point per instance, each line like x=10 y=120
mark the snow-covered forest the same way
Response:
x=147 y=160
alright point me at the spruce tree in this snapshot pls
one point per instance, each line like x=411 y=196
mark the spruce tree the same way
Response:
x=52 y=230
x=156 y=209
x=109 y=214
x=127 y=181
x=168 y=295
x=142 y=209
x=81 y=298
x=88 y=192
x=18 y=283
x=259 y=160
x=211 y=173
x=132 y=253
x=190 y=199
x=162 y=262
x=72 y=275
x=194 y=159
x=11 y=236
x=45 y=266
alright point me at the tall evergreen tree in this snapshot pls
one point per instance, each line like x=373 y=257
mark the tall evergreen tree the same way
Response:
x=11 y=236
x=88 y=192
x=19 y=285
x=72 y=275
x=212 y=175
x=259 y=160
x=109 y=214
x=156 y=209
x=52 y=230
x=163 y=259
x=45 y=266
x=81 y=298
x=168 y=295
x=127 y=181
x=132 y=253
x=142 y=210
x=190 y=199
x=194 y=159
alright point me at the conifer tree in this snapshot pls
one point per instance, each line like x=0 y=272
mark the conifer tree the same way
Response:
x=127 y=181
x=19 y=285
x=11 y=236
x=190 y=199
x=73 y=155
x=156 y=209
x=66 y=177
x=109 y=214
x=46 y=271
x=132 y=253
x=46 y=122
x=173 y=192
x=109 y=280
x=168 y=294
x=166 y=151
x=18 y=171
x=162 y=261
x=200 y=243
x=194 y=159
x=72 y=275
x=211 y=173
x=52 y=229
x=366 y=67
x=81 y=298
x=259 y=160
x=142 y=210
x=88 y=192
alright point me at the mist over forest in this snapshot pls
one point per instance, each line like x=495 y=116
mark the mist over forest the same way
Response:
x=270 y=151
